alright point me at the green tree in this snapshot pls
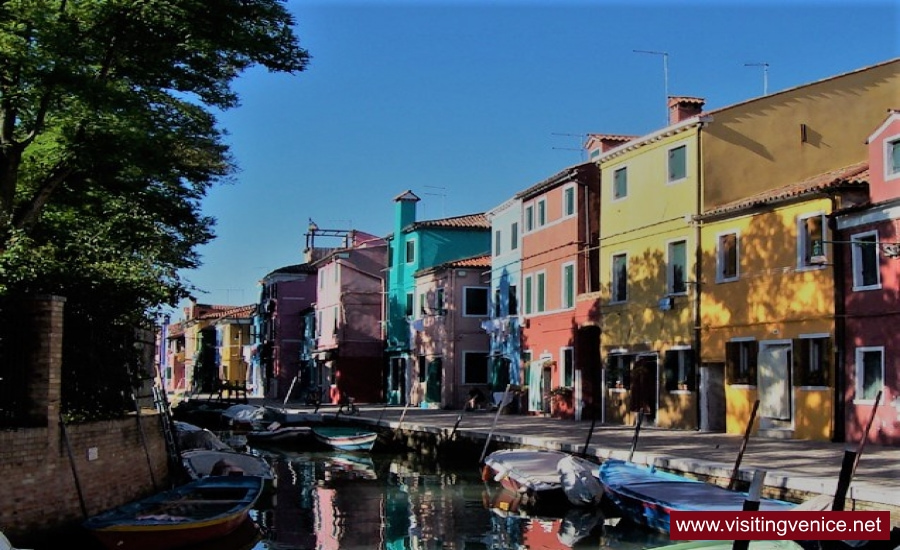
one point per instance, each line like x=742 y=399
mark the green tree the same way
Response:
x=108 y=144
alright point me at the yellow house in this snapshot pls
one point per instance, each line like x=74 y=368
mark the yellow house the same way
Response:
x=772 y=170
x=233 y=336
x=647 y=302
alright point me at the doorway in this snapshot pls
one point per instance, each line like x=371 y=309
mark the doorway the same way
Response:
x=712 y=397
x=774 y=384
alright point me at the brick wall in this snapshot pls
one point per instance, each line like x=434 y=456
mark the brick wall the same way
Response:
x=48 y=471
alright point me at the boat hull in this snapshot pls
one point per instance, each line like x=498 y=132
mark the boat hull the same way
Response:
x=346 y=439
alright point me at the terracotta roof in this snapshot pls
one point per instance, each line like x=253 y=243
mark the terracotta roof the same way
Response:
x=856 y=175
x=483 y=261
x=563 y=176
x=675 y=99
x=296 y=268
x=234 y=312
x=469 y=221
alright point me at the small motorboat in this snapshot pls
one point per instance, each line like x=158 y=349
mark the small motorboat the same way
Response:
x=280 y=434
x=191 y=437
x=194 y=513
x=545 y=475
x=345 y=438
x=646 y=495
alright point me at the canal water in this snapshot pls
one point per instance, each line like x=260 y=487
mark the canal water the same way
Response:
x=363 y=501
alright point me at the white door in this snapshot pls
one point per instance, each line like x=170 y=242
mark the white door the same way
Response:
x=579 y=399
x=774 y=380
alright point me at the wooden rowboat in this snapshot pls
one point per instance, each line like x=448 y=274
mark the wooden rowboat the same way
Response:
x=199 y=511
x=345 y=438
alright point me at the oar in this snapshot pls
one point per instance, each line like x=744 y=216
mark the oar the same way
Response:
x=851 y=460
x=637 y=432
x=737 y=463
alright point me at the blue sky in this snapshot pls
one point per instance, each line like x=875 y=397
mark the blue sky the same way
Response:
x=469 y=102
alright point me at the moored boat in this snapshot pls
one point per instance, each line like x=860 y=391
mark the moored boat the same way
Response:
x=199 y=511
x=646 y=495
x=346 y=438
x=541 y=474
x=277 y=433
x=201 y=463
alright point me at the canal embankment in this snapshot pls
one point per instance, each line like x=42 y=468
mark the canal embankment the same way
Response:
x=795 y=470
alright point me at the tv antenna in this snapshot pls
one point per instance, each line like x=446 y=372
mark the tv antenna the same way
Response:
x=581 y=137
x=442 y=194
x=765 y=67
x=665 y=56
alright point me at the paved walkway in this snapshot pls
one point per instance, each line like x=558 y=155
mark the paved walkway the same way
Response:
x=803 y=466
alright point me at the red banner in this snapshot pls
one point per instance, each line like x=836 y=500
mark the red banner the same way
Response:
x=768 y=525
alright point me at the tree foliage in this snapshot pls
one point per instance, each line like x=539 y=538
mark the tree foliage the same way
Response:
x=109 y=142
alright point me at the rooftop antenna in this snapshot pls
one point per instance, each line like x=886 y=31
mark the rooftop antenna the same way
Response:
x=442 y=195
x=581 y=150
x=665 y=56
x=765 y=67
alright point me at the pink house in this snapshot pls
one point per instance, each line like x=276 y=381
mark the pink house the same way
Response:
x=867 y=251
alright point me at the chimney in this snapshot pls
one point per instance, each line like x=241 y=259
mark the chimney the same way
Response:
x=597 y=144
x=683 y=108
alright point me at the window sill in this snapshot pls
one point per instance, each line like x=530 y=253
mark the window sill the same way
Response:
x=869 y=402
x=681 y=392
x=617 y=390
x=743 y=386
x=865 y=288
x=814 y=388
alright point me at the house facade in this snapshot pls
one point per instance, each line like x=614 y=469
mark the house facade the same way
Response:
x=648 y=298
x=414 y=246
x=866 y=251
x=233 y=341
x=560 y=231
x=451 y=350
x=348 y=313
x=285 y=293
x=504 y=327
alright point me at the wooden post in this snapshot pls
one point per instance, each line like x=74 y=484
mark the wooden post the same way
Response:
x=587 y=442
x=453 y=431
x=851 y=460
x=737 y=463
x=865 y=437
x=494 y=425
x=65 y=435
x=637 y=432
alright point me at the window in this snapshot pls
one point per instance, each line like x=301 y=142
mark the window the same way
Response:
x=541 y=287
x=439 y=301
x=677 y=163
x=568 y=367
x=677 y=268
x=620 y=183
x=529 y=297
x=423 y=304
x=513 y=300
x=866 y=275
x=679 y=370
x=727 y=258
x=514 y=236
x=568 y=286
x=422 y=364
x=497 y=246
x=869 y=372
x=619 y=278
x=529 y=218
x=409 y=304
x=740 y=361
x=892 y=158
x=812 y=360
x=618 y=370
x=390 y=253
x=475 y=302
x=497 y=312
x=335 y=315
x=475 y=367
x=410 y=251
x=569 y=201
x=810 y=234
x=542 y=213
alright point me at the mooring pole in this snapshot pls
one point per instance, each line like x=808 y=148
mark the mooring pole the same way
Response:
x=851 y=460
x=587 y=442
x=494 y=425
x=751 y=504
x=453 y=431
x=637 y=432
x=737 y=463
x=65 y=434
x=137 y=411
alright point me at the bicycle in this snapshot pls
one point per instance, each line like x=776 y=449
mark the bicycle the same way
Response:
x=347 y=405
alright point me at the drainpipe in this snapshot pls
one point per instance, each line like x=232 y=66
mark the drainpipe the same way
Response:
x=698 y=272
x=839 y=328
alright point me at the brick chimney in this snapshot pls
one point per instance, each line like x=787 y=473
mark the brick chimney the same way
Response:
x=683 y=108
x=597 y=144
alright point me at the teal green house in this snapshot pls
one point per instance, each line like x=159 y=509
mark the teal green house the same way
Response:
x=414 y=246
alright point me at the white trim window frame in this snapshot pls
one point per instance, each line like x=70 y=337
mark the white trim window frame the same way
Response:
x=541 y=212
x=498 y=243
x=409 y=253
x=465 y=367
x=676 y=285
x=528 y=295
x=676 y=164
x=540 y=292
x=865 y=260
x=892 y=158
x=619 y=278
x=528 y=217
x=567 y=288
x=864 y=355
x=810 y=227
x=728 y=256
x=567 y=370
x=569 y=201
x=514 y=236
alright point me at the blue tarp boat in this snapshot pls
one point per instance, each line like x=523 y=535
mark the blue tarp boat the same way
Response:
x=646 y=495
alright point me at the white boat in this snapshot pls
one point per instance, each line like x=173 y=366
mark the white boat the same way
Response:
x=5 y=544
x=344 y=438
x=191 y=437
x=277 y=433
x=545 y=475
x=202 y=463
